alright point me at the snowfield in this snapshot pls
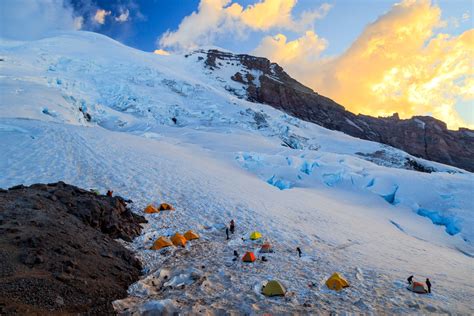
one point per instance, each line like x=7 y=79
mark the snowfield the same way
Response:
x=87 y=110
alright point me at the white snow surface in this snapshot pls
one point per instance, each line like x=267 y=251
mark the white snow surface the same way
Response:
x=224 y=159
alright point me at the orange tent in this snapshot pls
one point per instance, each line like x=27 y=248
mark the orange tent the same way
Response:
x=418 y=287
x=166 y=207
x=161 y=242
x=190 y=235
x=248 y=257
x=178 y=240
x=266 y=248
x=150 y=209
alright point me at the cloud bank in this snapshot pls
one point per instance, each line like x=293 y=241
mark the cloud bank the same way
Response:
x=29 y=19
x=398 y=64
x=217 y=18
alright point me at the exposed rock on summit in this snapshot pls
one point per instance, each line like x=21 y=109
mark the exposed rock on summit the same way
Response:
x=421 y=136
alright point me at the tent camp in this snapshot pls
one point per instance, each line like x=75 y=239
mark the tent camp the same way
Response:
x=150 y=209
x=266 y=248
x=161 y=242
x=166 y=207
x=255 y=235
x=178 y=240
x=273 y=288
x=336 y=282
x=190 y=235
x=418 y=287
x=248 y=257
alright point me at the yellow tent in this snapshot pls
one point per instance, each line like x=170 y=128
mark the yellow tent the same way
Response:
x=166 y=207
x=150 y=209
x=190 y=235
x=336 y=282
x=178 y=240
x=161 y=242
x=255 y=235
x=273 y=288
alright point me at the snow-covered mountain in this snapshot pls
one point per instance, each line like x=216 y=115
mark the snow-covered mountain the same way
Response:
x=87 y=110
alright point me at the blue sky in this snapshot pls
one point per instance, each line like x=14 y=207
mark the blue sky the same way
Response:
x=343 y=23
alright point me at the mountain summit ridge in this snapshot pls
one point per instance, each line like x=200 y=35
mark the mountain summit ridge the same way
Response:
x=421 y=136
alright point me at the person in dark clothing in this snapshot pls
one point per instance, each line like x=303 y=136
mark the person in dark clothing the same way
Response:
x=227 y=232
x=110 y=193
x=410 y=279
x=232 y=226
x=299 y=251
x=264 y=259
x=236 y=255
x=428 y=284
x=174 y=120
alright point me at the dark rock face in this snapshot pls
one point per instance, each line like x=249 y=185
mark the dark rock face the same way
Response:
x=421 y=136
x=58 y=253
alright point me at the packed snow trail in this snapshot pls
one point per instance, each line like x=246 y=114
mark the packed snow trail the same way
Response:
x=297 y=183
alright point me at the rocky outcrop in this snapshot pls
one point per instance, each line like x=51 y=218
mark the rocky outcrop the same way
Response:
x=421 y=136
x=57 y=250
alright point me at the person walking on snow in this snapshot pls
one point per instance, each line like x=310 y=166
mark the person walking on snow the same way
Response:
x=227 y=232
x=410 y=279
x=232 y=226
x=428 y=284
x=299 y=251
x=236 y=255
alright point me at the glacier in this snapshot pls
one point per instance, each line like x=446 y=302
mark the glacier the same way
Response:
x=82 y=108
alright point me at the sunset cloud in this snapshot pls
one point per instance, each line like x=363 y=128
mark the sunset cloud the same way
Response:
x=398 y=64
x=100 y=15
x=161 y=52
x=215 y=18
x=306 y=48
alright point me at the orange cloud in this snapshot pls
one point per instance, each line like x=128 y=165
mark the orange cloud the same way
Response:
x=306 y=48
x=216 y=18
x=100 y=16
x=398 y=64
x=161 y=52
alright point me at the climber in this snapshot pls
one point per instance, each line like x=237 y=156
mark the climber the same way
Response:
x=110 y=193
x=236 y=255
x=428 y=284
x=299 y=251
x=410 y=279
x=227 y=232
x=232 y=226
x=264 y=259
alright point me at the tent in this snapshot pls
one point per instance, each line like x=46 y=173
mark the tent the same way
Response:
x=255 y=235
x=273 y=288
x=150 y=209
x=166 y=207
x=190 y=235
x=161 y=242
x=266 y=248
x=418 y=287
x=178 y=240
x=248 y=257
x=336 y=282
